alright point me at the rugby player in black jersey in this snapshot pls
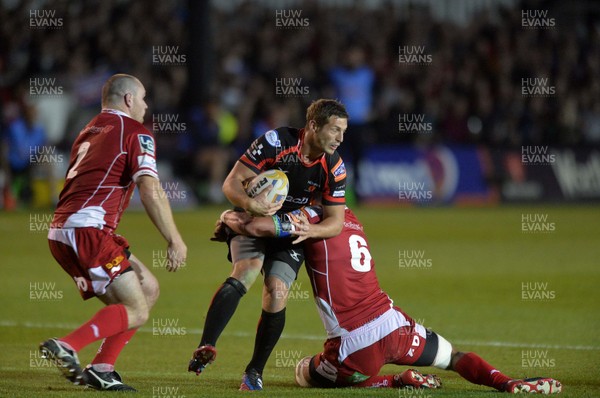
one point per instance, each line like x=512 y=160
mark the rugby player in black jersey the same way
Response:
x=315 y=171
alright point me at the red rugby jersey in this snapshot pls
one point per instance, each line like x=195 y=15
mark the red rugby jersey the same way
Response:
x=342 y=273
x=107 y=157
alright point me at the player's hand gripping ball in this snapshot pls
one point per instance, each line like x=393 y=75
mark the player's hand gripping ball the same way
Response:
x=275 y=178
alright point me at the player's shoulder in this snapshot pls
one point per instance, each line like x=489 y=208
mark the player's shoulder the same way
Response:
x=335 y=164
x=137 y=135
x=132 y=126
x=121 y=121
x=282 y=136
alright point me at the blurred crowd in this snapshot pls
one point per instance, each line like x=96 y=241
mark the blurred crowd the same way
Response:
x=269 y=64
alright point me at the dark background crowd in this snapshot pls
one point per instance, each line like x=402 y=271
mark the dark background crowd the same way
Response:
x=469 y=90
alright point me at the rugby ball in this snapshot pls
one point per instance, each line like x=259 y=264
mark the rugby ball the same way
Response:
x=275 y=178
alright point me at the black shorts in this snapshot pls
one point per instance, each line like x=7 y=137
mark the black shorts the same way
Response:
x=280 y=257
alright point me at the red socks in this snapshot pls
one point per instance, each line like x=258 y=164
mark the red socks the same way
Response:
x=474 y=369
x=111 y=348
x=107 y=322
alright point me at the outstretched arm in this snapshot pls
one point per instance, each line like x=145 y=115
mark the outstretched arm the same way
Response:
x=244 y=224
x=290 y=224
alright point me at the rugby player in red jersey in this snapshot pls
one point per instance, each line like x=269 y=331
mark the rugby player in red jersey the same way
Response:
x=110 y=156
x=365 y=330
x=314 y=168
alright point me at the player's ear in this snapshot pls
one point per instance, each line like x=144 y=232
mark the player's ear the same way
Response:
x=128 y=98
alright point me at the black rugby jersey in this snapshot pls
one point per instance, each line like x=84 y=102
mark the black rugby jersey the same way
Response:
x=323 y=178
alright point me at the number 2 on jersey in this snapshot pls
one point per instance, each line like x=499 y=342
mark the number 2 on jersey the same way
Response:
x=81 y=152
x=361 y=257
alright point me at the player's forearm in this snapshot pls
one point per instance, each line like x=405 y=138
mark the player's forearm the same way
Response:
x=158 y=209
x=260 y=227
x=328 y=228
x=233 y=189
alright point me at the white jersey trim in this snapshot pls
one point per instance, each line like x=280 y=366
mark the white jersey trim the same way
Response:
x=145 y=172
x=66 y=236
x=91 y=216
x=371 y=333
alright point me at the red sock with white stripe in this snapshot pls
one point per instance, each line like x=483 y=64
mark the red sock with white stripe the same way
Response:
x=473 y=368
x=107 y=322
x=109 y=350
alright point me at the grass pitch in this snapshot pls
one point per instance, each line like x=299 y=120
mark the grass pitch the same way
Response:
x=528 y=302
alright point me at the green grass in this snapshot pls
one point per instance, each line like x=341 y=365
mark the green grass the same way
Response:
x=471 y=294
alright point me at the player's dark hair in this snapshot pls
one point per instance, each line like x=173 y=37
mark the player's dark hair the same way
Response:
x=322 y=109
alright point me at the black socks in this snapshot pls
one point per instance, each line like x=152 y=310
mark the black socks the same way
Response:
x=268 y=332
x=222 y=308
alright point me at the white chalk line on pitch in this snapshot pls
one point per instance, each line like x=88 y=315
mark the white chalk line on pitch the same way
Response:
x=196 y=331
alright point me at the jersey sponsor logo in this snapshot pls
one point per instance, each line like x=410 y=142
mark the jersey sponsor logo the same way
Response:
x=146 y=144
x=97 y=130
x=273 y=138
x=312 y=186
x=339 y=193
x=339 y=171
x=300 y=201
x=351 y=225
x=115 y=264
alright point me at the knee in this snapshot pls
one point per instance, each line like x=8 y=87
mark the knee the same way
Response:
x=276 y=288
x=456 y=356
x=152 y=292
x=246 y=271
x=138 y=314
x=275 y=295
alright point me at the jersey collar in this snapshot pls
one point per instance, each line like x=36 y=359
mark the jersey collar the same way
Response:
x=300 y=144
x=115 y=112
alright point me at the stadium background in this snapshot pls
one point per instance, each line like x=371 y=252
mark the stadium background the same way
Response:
x=472 y=148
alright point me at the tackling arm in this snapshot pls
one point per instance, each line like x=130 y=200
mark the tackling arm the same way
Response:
x=332 y=225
